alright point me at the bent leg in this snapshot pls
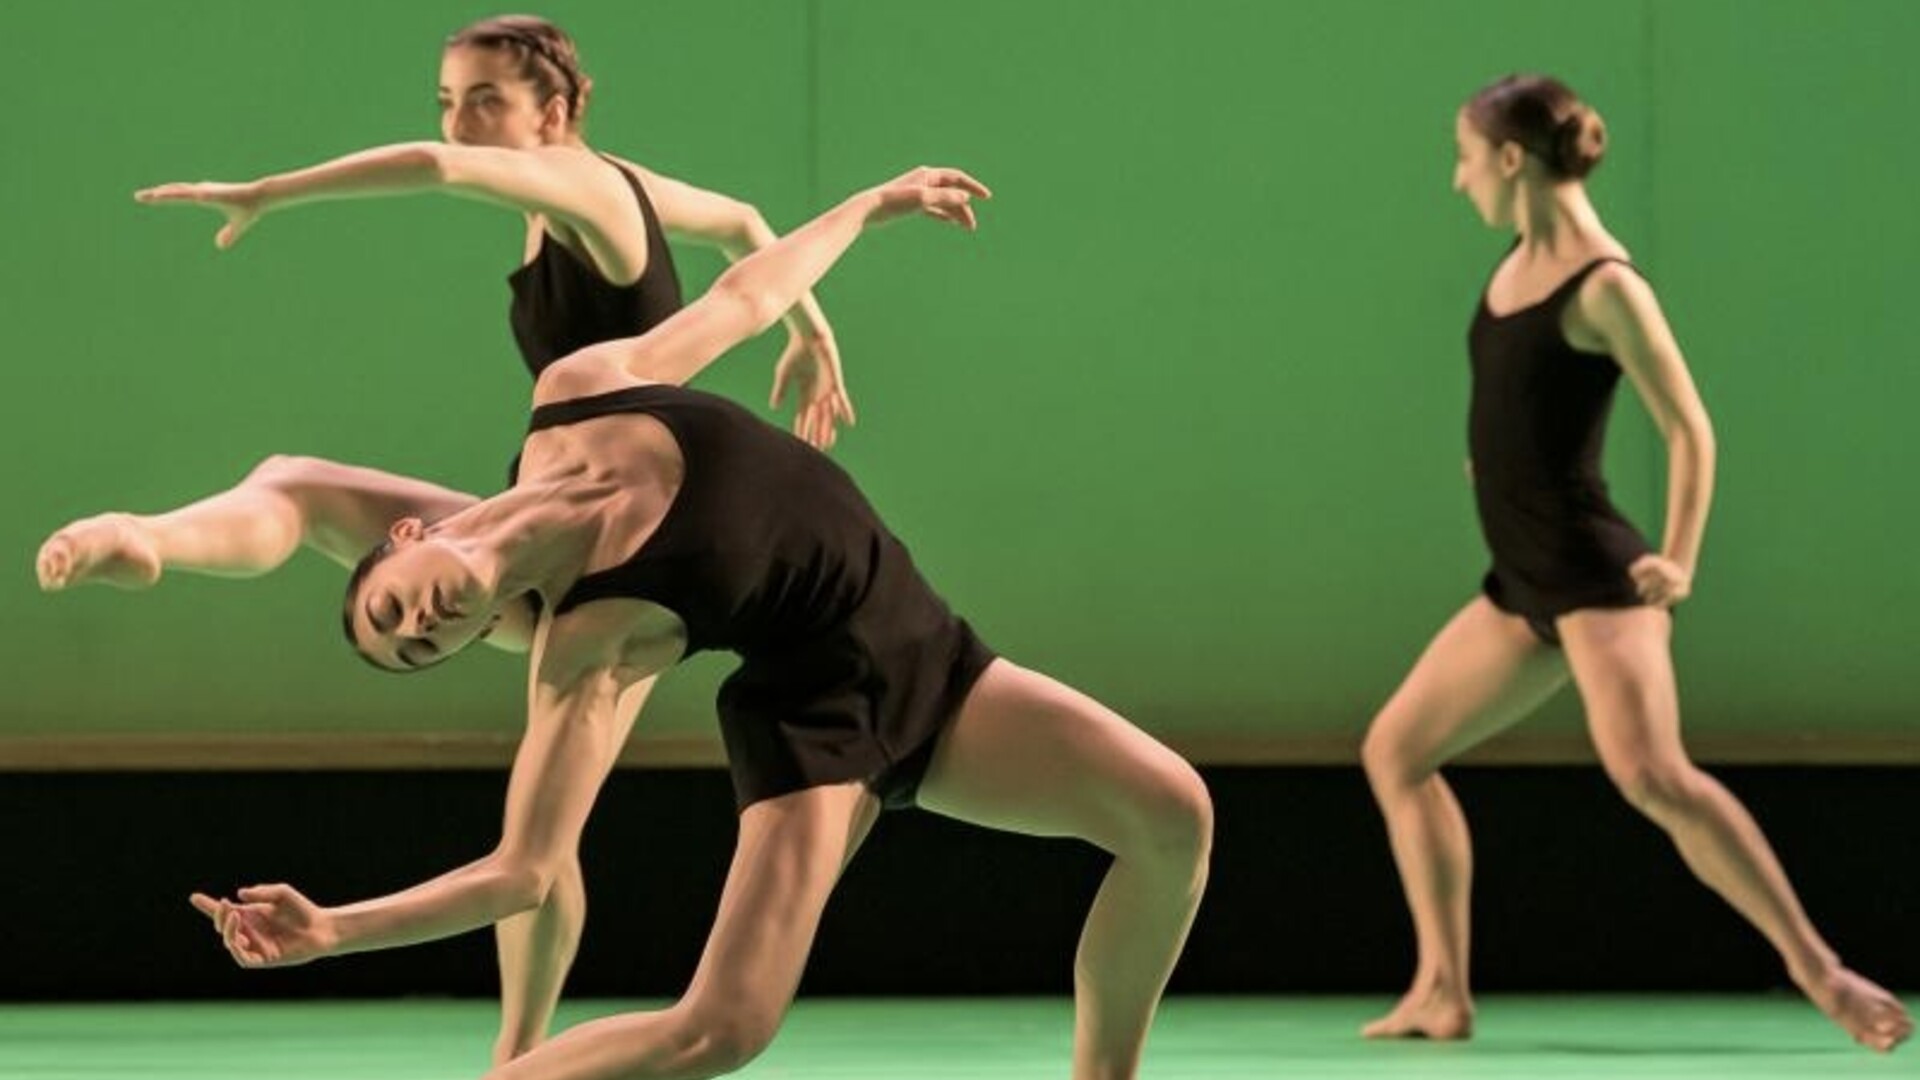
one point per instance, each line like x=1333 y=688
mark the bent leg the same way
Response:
x=1482 y=673
x=789 y=855
x=341 y=511
x=1031 y=755
x=1623 y=664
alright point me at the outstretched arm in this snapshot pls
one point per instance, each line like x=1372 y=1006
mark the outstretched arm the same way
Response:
x=564 y=758
x=755 y=292
x=563 y=182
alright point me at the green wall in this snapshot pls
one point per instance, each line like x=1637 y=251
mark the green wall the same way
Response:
x=1183 y=423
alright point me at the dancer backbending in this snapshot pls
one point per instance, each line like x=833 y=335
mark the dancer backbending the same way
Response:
x=513 y=100
x=1574 y=588
x=654 y=522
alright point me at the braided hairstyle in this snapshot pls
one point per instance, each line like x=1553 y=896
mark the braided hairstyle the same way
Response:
x=547 y=57
x=1546 y=119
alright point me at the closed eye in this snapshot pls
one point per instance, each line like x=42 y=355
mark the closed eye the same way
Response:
x=383 y=615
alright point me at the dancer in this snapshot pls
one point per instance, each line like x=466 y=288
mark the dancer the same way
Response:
x=1574 y=589
x=655 y=522
x=513 y=100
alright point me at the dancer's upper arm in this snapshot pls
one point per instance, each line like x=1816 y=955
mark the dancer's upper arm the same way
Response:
x=563 y=759
x=1622 y=308
x=688 y=212
x=560 y=182
x=573 y=726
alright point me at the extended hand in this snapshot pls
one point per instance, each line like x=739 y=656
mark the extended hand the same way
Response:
x=946 y=194
x=1660 y=580
x=270 y=926
x=811 y=368
x=240 y=203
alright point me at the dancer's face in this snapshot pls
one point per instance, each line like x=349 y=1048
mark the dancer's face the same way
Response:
x=421 y=604
x=485 y=102
x=1486 y=174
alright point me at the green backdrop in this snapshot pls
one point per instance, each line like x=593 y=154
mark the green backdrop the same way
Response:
x=1182 y=424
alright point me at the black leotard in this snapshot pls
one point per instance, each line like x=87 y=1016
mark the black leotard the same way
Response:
x=1536 y=431
x=851 y=665
x=561 y=303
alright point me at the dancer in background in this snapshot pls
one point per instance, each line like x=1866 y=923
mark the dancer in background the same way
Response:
x=1574 y=589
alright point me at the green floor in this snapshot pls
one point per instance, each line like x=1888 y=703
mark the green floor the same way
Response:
x=1559 y=1038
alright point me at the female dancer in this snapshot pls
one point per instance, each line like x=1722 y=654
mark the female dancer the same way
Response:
x=1574 y=589
x=512 y=103
x=512 y=100
x=654 y=522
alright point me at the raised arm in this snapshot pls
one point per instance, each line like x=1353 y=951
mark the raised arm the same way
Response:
x=566 y=183
x=1621 y=306
x=809 y=367
x=734 y=227
x=755 y=292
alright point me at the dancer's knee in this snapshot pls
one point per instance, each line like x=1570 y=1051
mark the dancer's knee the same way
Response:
x=1390 y=763
x=721 y=1037
x=282 y=472
x=1173 y=821
x=1664 y=790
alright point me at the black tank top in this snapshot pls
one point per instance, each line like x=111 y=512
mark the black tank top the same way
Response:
x=768 y=549
x=561 y=303
x=1537 y=431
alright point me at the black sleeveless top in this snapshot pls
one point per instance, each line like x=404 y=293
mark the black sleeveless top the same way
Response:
x=562 y=304
x=851 y=664
x=1537 y=430
x=767 y=544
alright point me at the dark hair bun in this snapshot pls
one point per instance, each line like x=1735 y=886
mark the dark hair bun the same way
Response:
x=1579 y=142
x=1545 y=118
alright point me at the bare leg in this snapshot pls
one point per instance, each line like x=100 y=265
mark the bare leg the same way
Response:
x=341 y=511
x=1624 y=667
x=1031 y=755
x=790 y=852
x=1482 y=673
x=537 y=948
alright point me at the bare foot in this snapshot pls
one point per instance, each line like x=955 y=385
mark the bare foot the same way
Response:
x=1872 y=1016
x=1425 y=1013
x=110 y=549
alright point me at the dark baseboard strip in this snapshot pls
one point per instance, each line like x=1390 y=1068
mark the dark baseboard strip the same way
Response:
x=465 y=750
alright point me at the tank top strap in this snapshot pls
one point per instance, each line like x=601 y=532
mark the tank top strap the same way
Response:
x=617 y=581
x=639 y=190
x=1569 y=287
x=646 y=398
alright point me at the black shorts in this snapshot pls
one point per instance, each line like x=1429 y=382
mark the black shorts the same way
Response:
x=844 y=711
